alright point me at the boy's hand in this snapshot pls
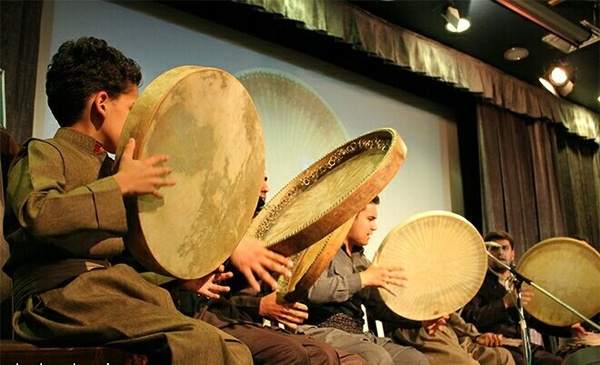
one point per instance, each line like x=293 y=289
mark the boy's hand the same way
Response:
x=208 y=285
x=577 y=330
x=139 y=177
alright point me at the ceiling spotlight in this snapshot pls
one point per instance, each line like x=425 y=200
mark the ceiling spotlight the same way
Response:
x=558 y=81
x=454 y=23
x=558 y=76
x=463 y=24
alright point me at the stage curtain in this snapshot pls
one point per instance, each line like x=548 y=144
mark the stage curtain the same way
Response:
x=20 y=23
x=519 y=177
x=401 y=47
x=579 y=183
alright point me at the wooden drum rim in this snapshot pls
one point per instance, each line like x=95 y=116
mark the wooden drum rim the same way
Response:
x=324 y=211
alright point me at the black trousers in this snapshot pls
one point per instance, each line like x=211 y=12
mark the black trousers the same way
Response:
x=268 y=345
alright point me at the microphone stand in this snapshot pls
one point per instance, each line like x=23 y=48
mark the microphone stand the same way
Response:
x=522 y=278
x=517 y=281
x=525 y=335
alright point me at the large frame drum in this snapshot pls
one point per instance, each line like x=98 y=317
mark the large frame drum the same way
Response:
x=329 y=192
x=570 y=270
x=444 y=259
x=204 y=119
x=310 y=217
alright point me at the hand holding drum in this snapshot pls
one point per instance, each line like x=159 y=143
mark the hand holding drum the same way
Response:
x=139 y=177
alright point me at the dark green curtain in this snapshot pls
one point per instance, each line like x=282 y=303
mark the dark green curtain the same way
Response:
x=19 y=43
x=537 y=180
x=519 y=184
x=579 y=183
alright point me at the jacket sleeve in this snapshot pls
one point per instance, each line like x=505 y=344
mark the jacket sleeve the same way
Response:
x=336 y=284
x=461 y=327
x=483 y=315
x=39 y=198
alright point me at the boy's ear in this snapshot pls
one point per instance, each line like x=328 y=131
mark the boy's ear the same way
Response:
x=98 y=108
x=101 y=101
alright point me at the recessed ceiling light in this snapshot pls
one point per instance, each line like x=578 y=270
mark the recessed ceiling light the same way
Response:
x=516 y=53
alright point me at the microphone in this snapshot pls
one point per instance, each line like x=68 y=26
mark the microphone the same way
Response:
x=492 y=244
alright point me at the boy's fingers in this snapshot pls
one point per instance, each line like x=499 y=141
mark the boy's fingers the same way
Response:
x=129 y=149
x=153 y=160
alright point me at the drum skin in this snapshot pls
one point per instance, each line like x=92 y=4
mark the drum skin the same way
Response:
x=329 y=192
x=567 y=268
x=205 y=121
x=444 y=260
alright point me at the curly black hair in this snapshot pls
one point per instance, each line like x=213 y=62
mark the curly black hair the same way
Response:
x=81 y=68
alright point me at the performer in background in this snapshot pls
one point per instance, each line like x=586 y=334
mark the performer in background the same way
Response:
x=494 y=309
x=446 y=340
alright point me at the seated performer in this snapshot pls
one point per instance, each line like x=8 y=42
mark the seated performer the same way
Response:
x=334 y=301
x=69 y=288
x=494 y=306
x=264 y=304
x=268 y=345
x=447 y=340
